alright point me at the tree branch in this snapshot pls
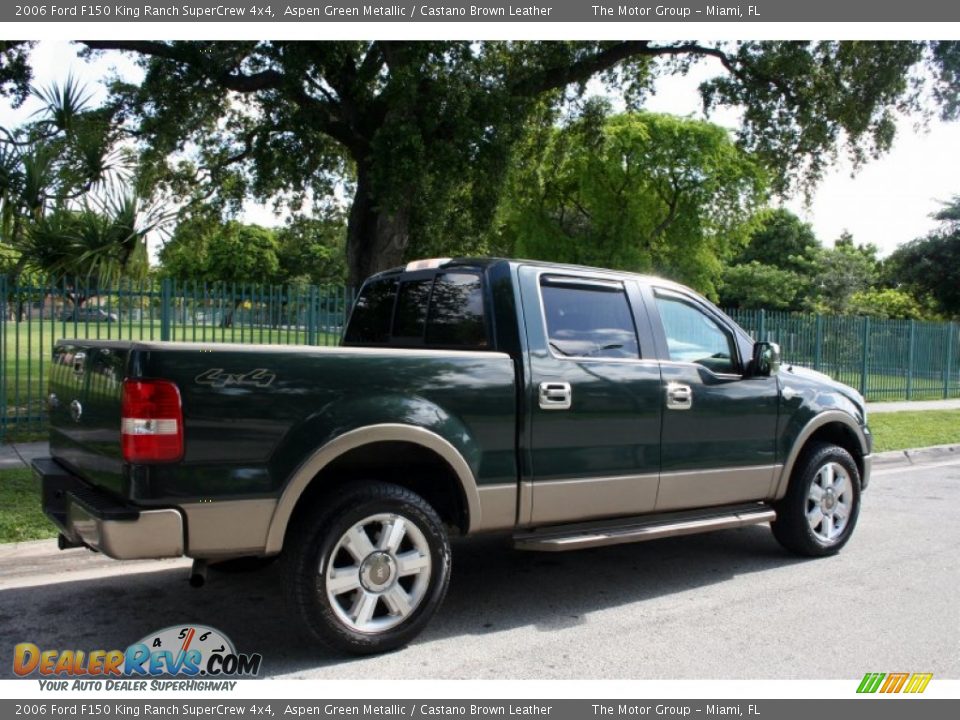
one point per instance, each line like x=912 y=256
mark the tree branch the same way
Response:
x=371 y=64
x=323 y=111
x=672 y=206
x=238 y=82
x=559 y=77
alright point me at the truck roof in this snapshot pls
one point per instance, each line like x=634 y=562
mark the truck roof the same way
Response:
x=482 y=263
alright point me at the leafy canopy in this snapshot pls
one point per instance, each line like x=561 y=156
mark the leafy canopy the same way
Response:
x=68 y=207
x=778 y=266
x=422 y=132
x=638 y=191
x=930 y=266
x=205 y=249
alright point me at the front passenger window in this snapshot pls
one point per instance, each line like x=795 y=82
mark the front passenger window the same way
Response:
x=693 y=336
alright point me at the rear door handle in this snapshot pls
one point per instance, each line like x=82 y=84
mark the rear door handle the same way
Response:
x=555 y=396
x=78 y=363
x=679 y=396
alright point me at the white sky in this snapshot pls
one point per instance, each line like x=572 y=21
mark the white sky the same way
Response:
x=888 y=202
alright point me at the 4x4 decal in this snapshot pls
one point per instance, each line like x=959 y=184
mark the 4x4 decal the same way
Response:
x=217 y=377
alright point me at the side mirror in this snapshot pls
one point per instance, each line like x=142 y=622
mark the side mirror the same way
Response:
x=766 y=358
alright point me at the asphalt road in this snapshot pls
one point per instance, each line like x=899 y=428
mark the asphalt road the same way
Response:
x=730 y=604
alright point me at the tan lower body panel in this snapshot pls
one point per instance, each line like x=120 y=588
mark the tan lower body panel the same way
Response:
x=707 y=488
x=498 y=507
x=228 y=528
x=154 y=534
x=559 y=501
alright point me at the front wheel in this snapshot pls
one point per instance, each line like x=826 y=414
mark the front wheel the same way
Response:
x=819 y=512
x=367 y=572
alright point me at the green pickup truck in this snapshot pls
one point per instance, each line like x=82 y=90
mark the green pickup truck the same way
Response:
x=571 y=407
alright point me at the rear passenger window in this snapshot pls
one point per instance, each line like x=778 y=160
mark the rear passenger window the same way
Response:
x=589 y=320
x=456 y=312
x=370 y=320
x=412 y=309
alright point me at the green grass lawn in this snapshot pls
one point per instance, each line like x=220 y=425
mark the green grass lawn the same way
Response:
x=21 y=518
x=919 y=428
x=20 y=515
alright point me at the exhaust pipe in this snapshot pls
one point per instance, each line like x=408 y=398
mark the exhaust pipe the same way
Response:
x=198 y=573
x=65 y=543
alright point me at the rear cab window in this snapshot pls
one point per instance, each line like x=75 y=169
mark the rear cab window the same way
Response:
x=443 y=310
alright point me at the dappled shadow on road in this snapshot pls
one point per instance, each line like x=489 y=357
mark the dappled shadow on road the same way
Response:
x=494 y=589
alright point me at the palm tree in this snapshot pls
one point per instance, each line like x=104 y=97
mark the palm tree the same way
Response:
x=66 y=202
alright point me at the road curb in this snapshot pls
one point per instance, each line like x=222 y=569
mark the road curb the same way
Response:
x=916 y=456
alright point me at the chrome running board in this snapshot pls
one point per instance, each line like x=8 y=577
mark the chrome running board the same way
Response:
x=558 y=538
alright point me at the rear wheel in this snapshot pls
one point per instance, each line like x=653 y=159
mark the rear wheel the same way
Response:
x=368 y=571
x=819 y=512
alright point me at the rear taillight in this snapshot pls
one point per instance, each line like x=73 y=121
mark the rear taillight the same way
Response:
x=151 y=425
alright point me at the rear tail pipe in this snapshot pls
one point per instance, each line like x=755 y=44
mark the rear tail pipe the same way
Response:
x=198 y=573
x=65 y=543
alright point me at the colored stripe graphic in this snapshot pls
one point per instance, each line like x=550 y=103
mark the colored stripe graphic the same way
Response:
x=870 y=682
x=894 y=682
x=918 y=682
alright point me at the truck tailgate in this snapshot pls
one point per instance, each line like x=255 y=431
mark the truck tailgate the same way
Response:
x=86 y=381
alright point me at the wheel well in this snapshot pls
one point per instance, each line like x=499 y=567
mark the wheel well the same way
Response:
x=837 y=433
x=402 y=463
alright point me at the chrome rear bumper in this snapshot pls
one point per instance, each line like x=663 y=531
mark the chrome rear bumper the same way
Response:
x=89 y=516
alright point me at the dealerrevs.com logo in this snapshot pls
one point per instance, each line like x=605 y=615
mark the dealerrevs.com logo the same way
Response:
x=897 y=682
x=191 y=651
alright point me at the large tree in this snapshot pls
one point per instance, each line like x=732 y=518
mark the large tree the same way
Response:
x=414 y=123
x=777 y=268
x=843 y=271
x=930 y=266
x=312 y=251
x=204 y=249
x=782 y=240
x=637 y=191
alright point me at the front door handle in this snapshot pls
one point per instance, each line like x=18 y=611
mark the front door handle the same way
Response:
x=555 y=396
x=679 y=396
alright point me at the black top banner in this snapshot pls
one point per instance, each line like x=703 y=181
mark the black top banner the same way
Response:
x=579 y=11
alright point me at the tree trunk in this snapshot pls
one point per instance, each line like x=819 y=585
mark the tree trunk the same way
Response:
x=16 y=309
x=376 y=237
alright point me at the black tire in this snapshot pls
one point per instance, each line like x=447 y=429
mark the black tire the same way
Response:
x=792 y=529
x=242 y=564
x=315 y=542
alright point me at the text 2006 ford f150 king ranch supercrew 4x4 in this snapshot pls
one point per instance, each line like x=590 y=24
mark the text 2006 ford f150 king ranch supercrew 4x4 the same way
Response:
x=569 y=406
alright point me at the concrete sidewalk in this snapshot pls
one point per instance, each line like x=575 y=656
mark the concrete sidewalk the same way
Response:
x=20 y=454
x=904 y=405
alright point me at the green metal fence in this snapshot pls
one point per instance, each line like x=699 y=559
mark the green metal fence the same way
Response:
x=883 y=359
x=35 y=315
